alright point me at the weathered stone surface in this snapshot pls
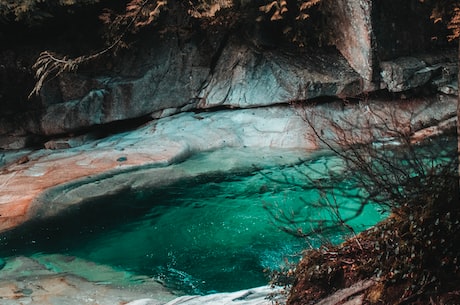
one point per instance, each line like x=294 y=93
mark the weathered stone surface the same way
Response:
x=405 y=73
x=242 y=78
x=174 y=74
x=255 y=296
x=54 y=279
x=13 y=142
x=167 y=77
x=176 y=79
x=58 y=279
x=451 y=88
x=351 y=27
x=48 y=182
x=72 y=115
x=245 y=78
x=159 y=143
x=433 y=131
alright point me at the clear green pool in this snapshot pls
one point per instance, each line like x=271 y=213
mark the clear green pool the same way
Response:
x=211 y=233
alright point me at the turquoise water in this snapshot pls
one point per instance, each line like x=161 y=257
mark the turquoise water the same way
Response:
x=207 y=234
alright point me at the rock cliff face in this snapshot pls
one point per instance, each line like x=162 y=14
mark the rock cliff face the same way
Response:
x=228 y=68
x=174 y=81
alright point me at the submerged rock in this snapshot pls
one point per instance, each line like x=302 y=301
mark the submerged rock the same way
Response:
x=57 y=279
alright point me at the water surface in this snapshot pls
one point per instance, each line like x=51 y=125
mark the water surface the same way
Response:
x=202 y=235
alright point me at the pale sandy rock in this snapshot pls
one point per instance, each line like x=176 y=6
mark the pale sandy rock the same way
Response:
x=58 y=279
x=143 y=302
x=51 y=181
x=157 y=144
x=264 y=295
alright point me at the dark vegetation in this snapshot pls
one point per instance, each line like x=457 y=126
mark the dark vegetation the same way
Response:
x=413 y=256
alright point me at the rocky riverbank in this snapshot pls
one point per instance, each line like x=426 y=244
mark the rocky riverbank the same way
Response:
x=44 y=182
x=58 y=279
x=126 y=122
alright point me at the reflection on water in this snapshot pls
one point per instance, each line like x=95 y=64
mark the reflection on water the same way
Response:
x=207 y=234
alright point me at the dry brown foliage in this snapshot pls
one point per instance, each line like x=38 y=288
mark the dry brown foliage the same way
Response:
x=278 y=9
x=414 y=255
x=454 y=24
x=208 y=9
x=138 y=14
x=447 y=12
x=35 y=11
